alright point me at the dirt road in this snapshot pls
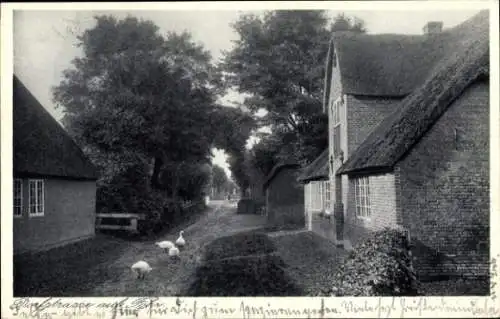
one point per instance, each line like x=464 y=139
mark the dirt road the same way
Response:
x=171 y=277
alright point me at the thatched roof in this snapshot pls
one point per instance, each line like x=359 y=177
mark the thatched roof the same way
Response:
x=276 y=169
x=317 y=170
x=395 y=135
x=41 y=146
x=391 y=65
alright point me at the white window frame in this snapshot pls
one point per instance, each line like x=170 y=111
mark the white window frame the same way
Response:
x=19 y=198
x=39 y=200
x=328 y=195
x=362 y=197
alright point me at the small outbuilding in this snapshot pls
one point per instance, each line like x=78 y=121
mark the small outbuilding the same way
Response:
x=284 y=196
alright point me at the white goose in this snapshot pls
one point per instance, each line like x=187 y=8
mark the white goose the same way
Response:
x=165 y=245
x=173 y=252
x=141 y=268
x=180 y=241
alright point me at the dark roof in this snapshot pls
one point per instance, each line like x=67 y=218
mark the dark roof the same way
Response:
x=41 y=146
x=396 y=134
x=317 y=170
x=391 y=65
x=276 y=169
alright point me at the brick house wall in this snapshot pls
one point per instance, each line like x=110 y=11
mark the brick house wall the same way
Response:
x=445 y=190
x=358 y=117
x=285 y=199
x=363 y=115
x=383 y=204
x=69 y=215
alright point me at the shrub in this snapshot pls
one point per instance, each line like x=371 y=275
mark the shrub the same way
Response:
x=381 y=265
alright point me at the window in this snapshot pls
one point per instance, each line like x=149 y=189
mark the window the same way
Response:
x=327 y=195
x=362 y=197
x=18 y=197
x=36 y=197
x=336 y=116
x=316 y=196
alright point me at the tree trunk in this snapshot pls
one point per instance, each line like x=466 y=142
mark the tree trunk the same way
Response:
x=155 y=180
x=176 y=180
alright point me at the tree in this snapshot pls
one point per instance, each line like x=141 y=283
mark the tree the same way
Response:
x=279 y=61
x=138 y=95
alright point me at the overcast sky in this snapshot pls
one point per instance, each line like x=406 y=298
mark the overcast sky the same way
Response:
x=44 y=41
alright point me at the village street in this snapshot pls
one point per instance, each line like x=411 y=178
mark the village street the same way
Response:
x=303 y=153
x=170 y=277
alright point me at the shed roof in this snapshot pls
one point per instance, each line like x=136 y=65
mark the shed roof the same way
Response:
x=317 y=170
x=276 y=169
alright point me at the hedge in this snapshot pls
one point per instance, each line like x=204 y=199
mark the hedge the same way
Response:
x=381 y=265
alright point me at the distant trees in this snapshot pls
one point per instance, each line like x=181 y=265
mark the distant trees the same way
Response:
x=221 y=183
x=279 y=62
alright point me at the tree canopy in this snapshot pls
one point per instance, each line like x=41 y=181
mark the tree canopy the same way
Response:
x=279 y=61
x=137 y=96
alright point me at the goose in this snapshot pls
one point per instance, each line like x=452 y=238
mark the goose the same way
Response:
x=165 y=245
x=141 y=268
x=180 y=241
x=173 y=252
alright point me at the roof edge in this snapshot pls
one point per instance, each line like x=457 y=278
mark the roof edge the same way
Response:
x=371 y=170
x=278 y=167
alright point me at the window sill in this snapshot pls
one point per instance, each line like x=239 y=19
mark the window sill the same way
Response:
x=364 y=219
x=36 y=215
x=17 y=216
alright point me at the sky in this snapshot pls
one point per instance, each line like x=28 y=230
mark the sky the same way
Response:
x=44 y=41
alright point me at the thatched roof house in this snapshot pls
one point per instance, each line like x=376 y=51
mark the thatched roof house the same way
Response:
x=54 y=182
x=409 y=148
x=465 y=60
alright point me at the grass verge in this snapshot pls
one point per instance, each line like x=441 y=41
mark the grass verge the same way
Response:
x=242 y=265
x=242 y=244
x=66 y=271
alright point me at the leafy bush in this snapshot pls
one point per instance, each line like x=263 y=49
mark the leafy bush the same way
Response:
x=130 y=192
x=379 y=266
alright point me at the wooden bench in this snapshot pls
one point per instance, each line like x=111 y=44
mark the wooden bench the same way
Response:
x=132 y=225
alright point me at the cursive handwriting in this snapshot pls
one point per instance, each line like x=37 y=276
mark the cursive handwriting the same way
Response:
x=247 y=308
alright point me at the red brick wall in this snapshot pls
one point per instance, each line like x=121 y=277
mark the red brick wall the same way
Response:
x=285 y=198
x=445 y=190
x=69 y=216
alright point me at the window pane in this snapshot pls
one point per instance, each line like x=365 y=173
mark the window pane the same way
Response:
x=40 y=190
x=32 y=199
